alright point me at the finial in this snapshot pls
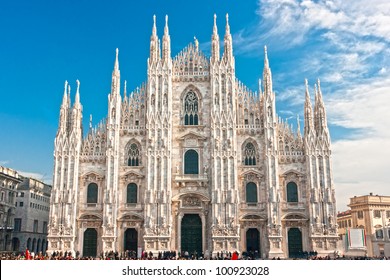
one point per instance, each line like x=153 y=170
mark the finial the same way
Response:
x=215 y=29
x=66 y=85
x=298 y=126
x=116 y=64
x=166 y=30
x=319 y=85
x=125 y=88
x=77 y=98
x=266 y=57
x=154 y=30
x=196 y=44
x=227 y=24
x=90 y=121
x=306 y=87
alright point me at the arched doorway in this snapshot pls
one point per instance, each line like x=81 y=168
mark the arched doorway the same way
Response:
x=15 y=244
x=90 y=243
x=253 y=241
x=34 y=243
x=294 y=243
x=131 y=240
x=29 y=244
x=38 y=245
x=191 y=234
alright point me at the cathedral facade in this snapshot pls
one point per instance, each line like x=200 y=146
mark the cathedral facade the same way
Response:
x=192 y=160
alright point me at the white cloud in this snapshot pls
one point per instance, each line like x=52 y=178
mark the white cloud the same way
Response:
x=347 y=45
x=4 y=162
x=42 y=177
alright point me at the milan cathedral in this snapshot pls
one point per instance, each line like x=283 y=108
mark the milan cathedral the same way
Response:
x=194 y=161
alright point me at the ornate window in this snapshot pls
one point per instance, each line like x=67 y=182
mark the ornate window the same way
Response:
x=249 y=154
x=191 y=107
x=292 y=192
x=132 y=192
x=251 y=192
x=379 y=234
x=92 y=193
x=133 y=155
x=191 y=162
x=377 y=213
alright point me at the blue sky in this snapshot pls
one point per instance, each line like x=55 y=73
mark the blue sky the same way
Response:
x=344 y=43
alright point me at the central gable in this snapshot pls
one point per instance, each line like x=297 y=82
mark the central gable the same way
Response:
x=191 y=64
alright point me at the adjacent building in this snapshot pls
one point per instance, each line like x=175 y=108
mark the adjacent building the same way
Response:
x=193 y=160
x=372 y=213
x=9 y=181
x=32 y=215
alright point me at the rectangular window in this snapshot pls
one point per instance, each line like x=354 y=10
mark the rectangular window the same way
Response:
x=360 y=214
x=377 y=213
x=35 y=228
x=17 y=224
x=44 y=230
x=21 y=204
x=22 y=194
x=387 y=214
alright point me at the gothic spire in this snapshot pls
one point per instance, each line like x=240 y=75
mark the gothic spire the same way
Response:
x=215 y=42
x=116 y=64
x=65 y=97
x=309 y=126
x=154 y=42
x=320 y=111
x=115 y=84
x=77 y=97
x=228 y=44
x=166 y=41
x=267 y=75
x=299 y=128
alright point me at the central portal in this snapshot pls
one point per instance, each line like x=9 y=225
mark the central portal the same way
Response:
x=191 y=234
x=131 y=240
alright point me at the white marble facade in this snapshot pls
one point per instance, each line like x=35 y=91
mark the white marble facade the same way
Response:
x=193 y=140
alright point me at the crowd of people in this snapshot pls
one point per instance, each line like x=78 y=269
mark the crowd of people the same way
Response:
x=172 y=255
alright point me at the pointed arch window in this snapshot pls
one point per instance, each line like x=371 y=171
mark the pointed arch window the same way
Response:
x=133 y=155
x=191 y=108
x=249 y=154
x=251 y=192
x=92 y=193
x=132 y=193
x=292 y=192
x=191 y=162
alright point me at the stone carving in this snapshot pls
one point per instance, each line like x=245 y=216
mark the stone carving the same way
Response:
x=191 y=202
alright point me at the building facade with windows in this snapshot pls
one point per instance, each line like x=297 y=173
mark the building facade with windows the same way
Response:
x=9 y=180
x=372 y=213
x=193 y=160
x=32 y=215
